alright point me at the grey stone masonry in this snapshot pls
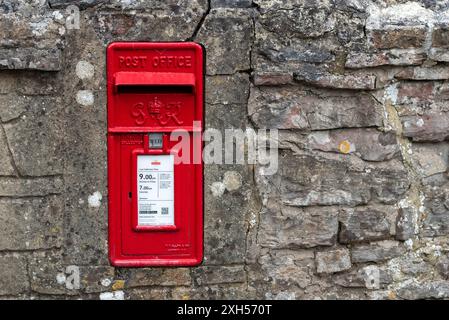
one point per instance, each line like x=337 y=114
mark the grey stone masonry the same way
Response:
x=358 y=91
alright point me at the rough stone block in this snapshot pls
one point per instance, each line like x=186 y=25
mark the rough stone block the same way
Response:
x=13 y=106
x=431 y=126
x=436 y=204
x=36 y=139
x=23 y=187
x=440 y=37
x=291 y=227
x=158 y=25
x=368 y=144
x=209 y=275
x=393 y=57
x=30 y=224
x=226 y=226
x=286 y=270
x=398 y=37
x=50 y=275
x=293 y=108
x=226 y=34
x=399 y=26
x=430 y=158
x=333 y=179
x=406 y=223
x=8 y=82
x=230 y=3
x=272 y=78
x=31 y=59
x=424 y=73
x=297 y=19
x=31 y=37
x=332 y=261
x=155 y=277
x=57 y=4
x=369 y=277
x=6 y=166
x=32 y=83
x=232 y=89
x=366 y=224
x=377 y=251
x=13 y=275
x=314 y=76
x=415 y=93
x=438 y=289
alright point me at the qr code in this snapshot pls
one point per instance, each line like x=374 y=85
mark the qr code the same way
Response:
x=164 y=210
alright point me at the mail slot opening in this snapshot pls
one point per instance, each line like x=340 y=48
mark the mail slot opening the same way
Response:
x=154 y=89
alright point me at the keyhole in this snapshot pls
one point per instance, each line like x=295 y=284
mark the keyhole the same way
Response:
x=130 y=194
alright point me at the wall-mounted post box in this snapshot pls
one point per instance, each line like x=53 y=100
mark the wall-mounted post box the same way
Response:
x=155 y=91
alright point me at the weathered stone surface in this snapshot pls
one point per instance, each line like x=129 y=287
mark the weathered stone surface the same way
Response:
x=155 y=277
x=394 y=57
x=28 y=58
x=400 y=37
x=332 y=179
x=443 y=266
x=415 y=93
x=376 y=251
x=56 y=4
x=370 y=277
x=8 y=81
x=19 y=187
x=431 y=126
x=440 y=37
x=291 y=227
x=163 y=21
x=439 y=54
x=33 y=83
x=293 y=108
x=430 y=158
x=214 y=292
x=31 y=30
x=225 y=227
x=427 y=290
x=399 y=26
x=317 y=77
x=286 y=271
x=406 y=223
x=231 y=3
x=339 y=172
x=49 y=275
x=272 y=78
x=297 y=19
x=158 y=5
x=273 y=52
x=332 y=261
x=149 y=294
x=366 y=224
x=13 y=106
x=368 y=144
x=226 y=34
x=436 y=204
x=232 y=89
x=37 y=135
x=6 y=166
x=209 y=275
x=424 y=73
x=25 y=224
x=13 y=275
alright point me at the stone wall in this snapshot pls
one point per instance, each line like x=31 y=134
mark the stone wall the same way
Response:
x=359 y=90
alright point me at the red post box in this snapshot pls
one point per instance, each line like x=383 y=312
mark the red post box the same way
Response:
x=155 y=200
